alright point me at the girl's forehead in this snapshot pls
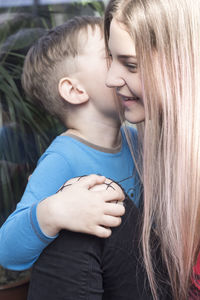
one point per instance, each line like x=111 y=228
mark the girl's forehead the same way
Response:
x=120 y=40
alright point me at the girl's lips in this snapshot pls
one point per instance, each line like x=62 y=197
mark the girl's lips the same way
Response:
x=127 y=98
x=128 y=101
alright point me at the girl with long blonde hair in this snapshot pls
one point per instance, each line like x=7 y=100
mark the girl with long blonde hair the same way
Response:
x=155 y=68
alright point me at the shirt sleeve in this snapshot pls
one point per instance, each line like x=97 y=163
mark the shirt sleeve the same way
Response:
x=124 y=274
x=21 y=238
x=194 y=291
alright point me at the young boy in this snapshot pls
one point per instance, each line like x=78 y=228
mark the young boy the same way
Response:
x=65 y=71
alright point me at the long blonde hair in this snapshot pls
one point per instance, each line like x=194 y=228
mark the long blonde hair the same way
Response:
x=166 y=34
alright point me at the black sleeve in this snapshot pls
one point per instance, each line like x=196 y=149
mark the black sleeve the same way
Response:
x=124 y=275
x=77 y=266
x=69 y=269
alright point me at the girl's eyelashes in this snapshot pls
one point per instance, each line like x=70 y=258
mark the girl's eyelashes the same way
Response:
x=131 y=66
x=109 y=55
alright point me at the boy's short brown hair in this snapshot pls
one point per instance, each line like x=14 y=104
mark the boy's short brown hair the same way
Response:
x=43 y=66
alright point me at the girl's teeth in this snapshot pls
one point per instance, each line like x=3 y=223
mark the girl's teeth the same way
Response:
x=132 y=98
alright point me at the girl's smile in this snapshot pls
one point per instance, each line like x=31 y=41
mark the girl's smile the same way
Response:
x=127 y=100
x=123 y=74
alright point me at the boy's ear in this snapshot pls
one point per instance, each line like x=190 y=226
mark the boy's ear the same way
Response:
x=72 y=91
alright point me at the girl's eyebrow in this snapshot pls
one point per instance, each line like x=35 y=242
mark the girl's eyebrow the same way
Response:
x=126 y=56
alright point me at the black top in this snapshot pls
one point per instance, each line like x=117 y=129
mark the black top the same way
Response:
x=78 y=266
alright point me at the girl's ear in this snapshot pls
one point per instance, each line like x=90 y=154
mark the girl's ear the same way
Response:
x=72 y=91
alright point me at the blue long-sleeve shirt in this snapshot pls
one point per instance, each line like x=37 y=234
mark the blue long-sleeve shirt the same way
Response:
x=21 y=239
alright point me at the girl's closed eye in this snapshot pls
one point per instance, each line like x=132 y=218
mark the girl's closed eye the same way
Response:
x=132 y=67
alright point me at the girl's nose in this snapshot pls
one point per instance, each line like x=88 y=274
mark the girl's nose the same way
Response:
x=112 y=79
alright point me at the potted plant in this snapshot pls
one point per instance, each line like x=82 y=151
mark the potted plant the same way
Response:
x=14 y=285
x=25 y=129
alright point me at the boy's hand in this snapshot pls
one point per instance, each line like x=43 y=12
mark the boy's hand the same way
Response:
x=90 y=204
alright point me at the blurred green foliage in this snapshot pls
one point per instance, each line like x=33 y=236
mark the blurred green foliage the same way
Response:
x=25 y=129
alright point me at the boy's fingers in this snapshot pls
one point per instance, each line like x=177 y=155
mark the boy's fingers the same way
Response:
x=88 y=181
x=114 y=209
x=113 y=195
x=102 y=232
x=110 y=221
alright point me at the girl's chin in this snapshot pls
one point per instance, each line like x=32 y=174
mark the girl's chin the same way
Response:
x=134 y=117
